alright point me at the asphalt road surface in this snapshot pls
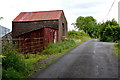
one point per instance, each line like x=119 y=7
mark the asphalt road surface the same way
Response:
x=91 y=59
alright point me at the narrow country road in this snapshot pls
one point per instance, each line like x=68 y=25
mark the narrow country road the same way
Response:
x=91 y=59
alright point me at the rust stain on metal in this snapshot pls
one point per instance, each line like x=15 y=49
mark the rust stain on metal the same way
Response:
x=37 y=16
x=33 y=31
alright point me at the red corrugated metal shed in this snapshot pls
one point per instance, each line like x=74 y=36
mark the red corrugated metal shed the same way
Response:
x=33 y=31
x=37 y=16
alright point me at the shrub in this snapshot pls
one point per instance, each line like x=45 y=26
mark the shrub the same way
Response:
x=58 y=47
x=11 y=73
x=13 y=63
x=110 y=33
x=76 y=34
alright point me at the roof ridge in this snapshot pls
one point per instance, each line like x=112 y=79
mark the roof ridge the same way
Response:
x=42 y=11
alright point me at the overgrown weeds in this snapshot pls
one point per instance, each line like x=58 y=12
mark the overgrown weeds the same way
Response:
x=13 y=64
x=117 y=50
x=59 y=47
x=16 y=65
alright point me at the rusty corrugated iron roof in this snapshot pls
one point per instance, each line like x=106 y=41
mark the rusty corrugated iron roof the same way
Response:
x=37 y=16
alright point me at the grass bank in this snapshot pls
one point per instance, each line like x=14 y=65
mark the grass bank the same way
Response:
x=16 y=65
x=117 y=50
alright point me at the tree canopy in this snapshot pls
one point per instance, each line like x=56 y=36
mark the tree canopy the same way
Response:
x=1 y=18
x=106 y=31
x=88 y=24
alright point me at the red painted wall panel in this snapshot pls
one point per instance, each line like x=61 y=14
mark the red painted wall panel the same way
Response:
x=37 y=40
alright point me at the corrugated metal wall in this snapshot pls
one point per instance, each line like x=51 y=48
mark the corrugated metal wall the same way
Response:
x=30 y=42
x=19 y=28
x=36 y=40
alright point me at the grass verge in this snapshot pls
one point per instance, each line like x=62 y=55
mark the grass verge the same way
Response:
x=59 y=53
x=117 y=50
x=16 y=65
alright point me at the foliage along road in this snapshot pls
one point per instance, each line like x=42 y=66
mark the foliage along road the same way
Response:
x=91 y=59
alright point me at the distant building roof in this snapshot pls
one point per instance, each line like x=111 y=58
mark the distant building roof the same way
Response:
x=3 y=31
x=38 y=16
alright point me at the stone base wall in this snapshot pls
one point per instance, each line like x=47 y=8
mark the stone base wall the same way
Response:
x=5 y=39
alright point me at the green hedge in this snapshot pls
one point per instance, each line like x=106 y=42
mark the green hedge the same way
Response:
x=110 y=34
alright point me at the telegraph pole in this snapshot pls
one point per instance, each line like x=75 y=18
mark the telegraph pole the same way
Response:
x=119 y=13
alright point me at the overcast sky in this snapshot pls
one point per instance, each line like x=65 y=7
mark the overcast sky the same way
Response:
x=9 y=9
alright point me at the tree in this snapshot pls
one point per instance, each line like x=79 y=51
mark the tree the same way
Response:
x=1 y=18
x=106 y=31
x=88 y=24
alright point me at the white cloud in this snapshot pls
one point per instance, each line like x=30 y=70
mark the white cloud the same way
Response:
x=72 y=9
x=96 y=8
